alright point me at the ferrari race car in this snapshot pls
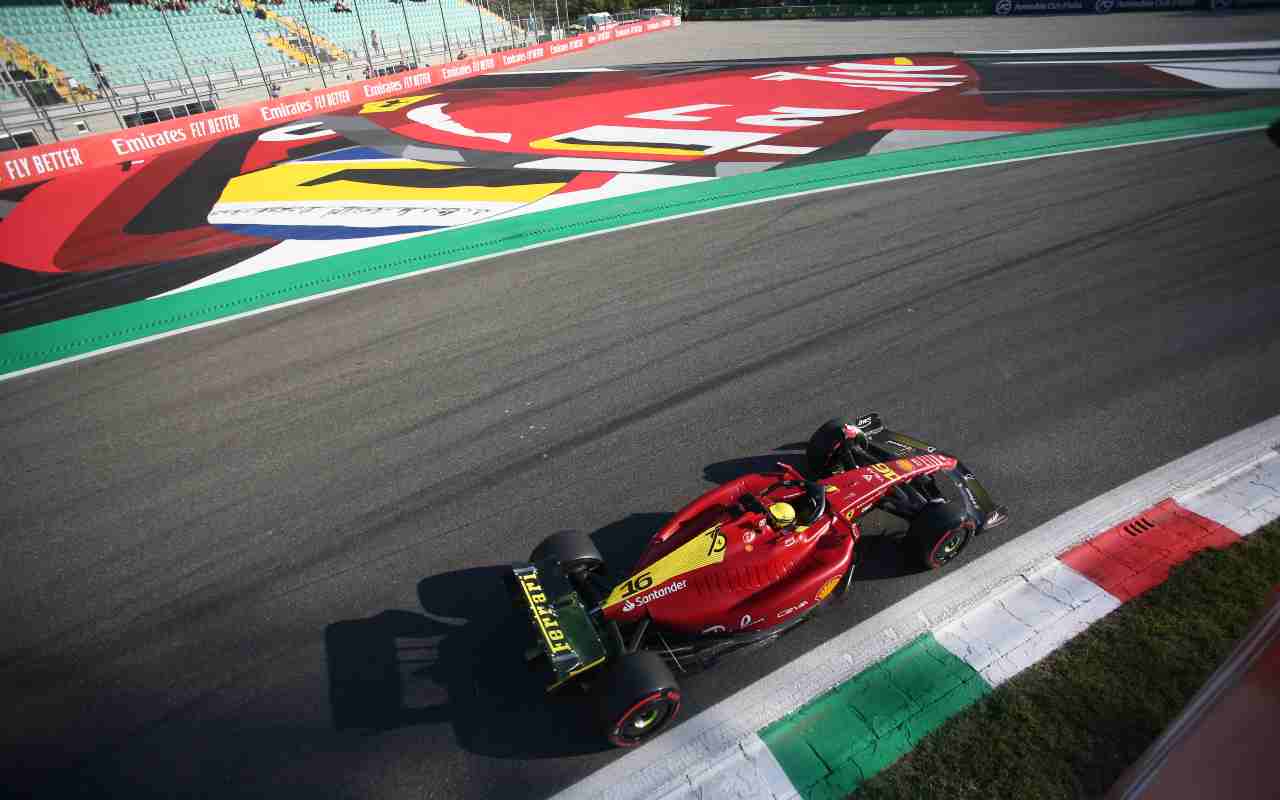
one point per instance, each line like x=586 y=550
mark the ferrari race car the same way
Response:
x=736 y=568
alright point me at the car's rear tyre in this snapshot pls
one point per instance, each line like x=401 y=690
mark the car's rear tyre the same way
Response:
x=638 y=697
x=939 y=533
x=574 y=550
x=821 y=450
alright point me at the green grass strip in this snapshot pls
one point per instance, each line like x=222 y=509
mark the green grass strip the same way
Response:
x=1069 y=726
x=54 y=341
x=831 y=745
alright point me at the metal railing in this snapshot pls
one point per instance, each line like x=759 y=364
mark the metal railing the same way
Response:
x=55 y=105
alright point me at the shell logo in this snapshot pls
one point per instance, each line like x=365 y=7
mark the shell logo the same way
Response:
x=827 y=589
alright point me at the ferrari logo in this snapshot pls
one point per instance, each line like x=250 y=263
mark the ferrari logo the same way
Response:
x=543 y=614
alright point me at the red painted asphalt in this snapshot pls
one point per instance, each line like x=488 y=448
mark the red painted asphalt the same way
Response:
x=1136 y=555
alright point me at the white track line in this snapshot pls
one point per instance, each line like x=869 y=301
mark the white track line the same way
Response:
x=1271 y=44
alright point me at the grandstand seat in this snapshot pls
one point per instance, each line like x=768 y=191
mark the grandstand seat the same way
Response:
x=133 y=40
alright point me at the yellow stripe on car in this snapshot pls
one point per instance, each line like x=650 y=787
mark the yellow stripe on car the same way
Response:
x=702 y=550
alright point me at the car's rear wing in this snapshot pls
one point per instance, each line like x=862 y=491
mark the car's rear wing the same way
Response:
x=564 y=629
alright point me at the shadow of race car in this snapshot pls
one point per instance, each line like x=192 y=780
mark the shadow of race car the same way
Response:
x=737 y=568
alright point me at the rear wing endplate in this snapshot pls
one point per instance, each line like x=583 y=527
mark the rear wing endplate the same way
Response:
x=564 y=628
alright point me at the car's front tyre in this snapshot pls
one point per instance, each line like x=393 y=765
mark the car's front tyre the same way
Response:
x=939 y=533
x=823 y=449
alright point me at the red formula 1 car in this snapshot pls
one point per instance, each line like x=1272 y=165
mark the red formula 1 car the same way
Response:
x=736 y=568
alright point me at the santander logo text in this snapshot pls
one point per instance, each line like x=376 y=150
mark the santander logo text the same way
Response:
x=640 y=600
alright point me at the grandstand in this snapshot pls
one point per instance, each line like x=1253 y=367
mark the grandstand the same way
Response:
x=133 y=43
x=462 y=21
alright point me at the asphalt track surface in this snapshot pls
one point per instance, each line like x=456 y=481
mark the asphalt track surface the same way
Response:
x=263 y=558
x=735 y=40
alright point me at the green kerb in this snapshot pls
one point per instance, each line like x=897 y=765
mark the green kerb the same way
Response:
x=834 y=743
x=54 y=341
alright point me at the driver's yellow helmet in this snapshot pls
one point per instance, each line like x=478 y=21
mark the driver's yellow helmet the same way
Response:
x=782 y=515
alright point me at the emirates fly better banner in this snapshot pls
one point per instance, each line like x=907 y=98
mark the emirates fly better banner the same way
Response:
x=35 y=164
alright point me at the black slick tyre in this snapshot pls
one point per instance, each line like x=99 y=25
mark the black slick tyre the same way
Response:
x=821 y=450
x=574 y=550
x=637 y=698
x=939 y=533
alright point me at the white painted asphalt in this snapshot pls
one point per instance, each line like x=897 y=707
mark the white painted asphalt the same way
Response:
x=1217 y=76
x=708 y=755
x=1242 y=503
x=1026 y=622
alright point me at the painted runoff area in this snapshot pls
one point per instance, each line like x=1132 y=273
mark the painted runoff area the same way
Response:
x=846 y=710
x=32 y=165
x=63 y=341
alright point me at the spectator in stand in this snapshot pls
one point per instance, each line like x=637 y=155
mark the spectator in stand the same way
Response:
x=78 y=90
x=373 y=41
x=92 y=6
x=104 y=85
x=340 y=6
